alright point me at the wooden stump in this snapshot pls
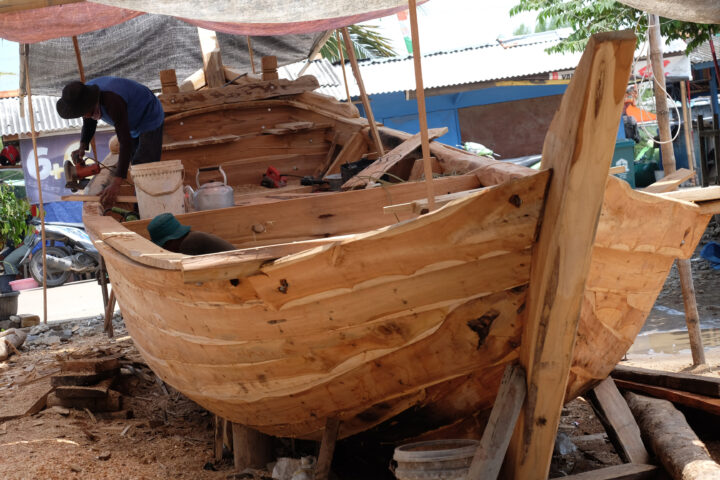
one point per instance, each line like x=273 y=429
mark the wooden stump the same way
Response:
x=251 y=449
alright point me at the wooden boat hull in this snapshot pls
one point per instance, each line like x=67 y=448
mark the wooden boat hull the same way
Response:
x=421 y=315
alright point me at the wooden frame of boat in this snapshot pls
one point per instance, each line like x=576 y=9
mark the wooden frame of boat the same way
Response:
x=333 y=309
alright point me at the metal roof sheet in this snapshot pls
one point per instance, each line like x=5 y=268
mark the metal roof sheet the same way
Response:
x=46 y=117
x=702 y=53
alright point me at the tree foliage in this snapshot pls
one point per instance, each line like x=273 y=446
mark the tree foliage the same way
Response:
x=587 y=17
x=367 y=43
x=13 y=213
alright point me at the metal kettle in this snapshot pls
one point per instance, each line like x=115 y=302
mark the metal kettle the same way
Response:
x=212 y=195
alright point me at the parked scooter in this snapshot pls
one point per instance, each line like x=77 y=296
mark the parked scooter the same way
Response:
x=69 y=250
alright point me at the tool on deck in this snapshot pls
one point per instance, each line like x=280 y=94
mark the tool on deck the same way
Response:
x=76 y=174
x=273 y=179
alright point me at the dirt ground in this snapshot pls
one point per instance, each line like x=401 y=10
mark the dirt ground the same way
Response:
x=169 y=436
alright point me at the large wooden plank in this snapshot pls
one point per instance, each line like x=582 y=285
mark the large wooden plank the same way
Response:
x=578 y=148
x=390 y=159
x=178 y=102
x=679 y=381
x=619 y=423
x=490 y=454
x=695 y=194
x=212 y=60
x=670 y=182
x=628 y=471
x=694 y=400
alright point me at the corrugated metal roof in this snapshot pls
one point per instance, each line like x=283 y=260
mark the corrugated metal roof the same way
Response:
x=46 y=117
x=702 y=54
x=517 y=57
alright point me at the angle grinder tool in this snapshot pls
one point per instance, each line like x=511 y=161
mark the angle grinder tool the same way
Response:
x=76 y=174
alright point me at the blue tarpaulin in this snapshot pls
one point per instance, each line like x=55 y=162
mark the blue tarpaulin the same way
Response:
x=711 y=253
x=65 y=212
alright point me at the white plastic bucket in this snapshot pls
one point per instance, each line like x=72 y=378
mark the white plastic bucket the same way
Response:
x=158 y=187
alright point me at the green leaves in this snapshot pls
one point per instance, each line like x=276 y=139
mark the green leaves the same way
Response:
x=367 y=43
x=587 y=17
x=13 y=213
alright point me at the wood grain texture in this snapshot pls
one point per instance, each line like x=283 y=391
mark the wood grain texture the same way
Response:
x=578 y=147
x=679 y=381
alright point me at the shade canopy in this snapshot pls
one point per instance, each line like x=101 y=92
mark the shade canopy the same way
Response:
x=240 y=17
x=695 y=11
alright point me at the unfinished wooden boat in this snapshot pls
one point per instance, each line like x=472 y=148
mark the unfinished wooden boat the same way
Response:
x=360 y=306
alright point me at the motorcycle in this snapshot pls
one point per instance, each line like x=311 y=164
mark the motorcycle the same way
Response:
x=69 y=251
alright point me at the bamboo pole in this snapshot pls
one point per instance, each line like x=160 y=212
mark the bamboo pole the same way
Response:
x=363 y=95
x=342 y=64
x=81 y=70
x=420 y=94
x=39 y=182
x=688 y=129
x=250 y=51
x=663 y=118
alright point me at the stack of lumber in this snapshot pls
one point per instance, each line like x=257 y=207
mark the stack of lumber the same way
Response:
x=86 y=383
x=702 y=393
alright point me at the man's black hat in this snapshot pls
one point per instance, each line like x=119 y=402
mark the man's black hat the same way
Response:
x=77 y=99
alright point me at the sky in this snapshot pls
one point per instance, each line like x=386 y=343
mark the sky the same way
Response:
x=443 y=25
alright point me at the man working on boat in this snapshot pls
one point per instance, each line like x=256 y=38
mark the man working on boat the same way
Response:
x=167 y=232
x=130 y=107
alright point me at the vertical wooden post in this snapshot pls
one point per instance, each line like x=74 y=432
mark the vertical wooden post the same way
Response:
x=363 y=94
x=327 y=448
x=250 y=51
x=212 y=61
x=420 y=94
x=342 y=65
x=269 y=67
x=33 y=133
x=168 y=81
x=578 y=148
x=218 y=441
x=250 y=447
x=687 y=121
x=692 y=317
x=109 y=311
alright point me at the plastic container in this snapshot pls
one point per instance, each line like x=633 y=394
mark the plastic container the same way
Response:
x=436 y=459
x=159 y=187
x=8 y=305
x=23 y=284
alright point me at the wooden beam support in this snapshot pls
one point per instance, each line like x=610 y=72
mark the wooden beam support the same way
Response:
x=251 y=449
x=168 y=81
x=578 y=148
x=377 y=169
x=681 y=381
x=363 y=94
x=327 y=448
x=615 y=415
x=628 y=471
x=494 y=443
x=212 y=61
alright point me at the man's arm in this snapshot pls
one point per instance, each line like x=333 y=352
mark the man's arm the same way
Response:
x=86 y=135
x=116 y=109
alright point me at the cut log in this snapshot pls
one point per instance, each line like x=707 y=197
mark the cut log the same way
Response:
x=578 y=148
x=694 y=400
x=390 y=159
x=628 y=471
x=680 y=381
x=675 y=444
x=496 y=437
x=10 y=341
x=624 y=433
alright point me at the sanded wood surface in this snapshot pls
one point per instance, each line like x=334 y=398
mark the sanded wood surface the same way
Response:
x=695 y=194
x=619 y=423
x=376 y=170
x=675 y=444
x=578 y=147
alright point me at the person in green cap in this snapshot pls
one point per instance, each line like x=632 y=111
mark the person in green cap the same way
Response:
x=167 y=232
